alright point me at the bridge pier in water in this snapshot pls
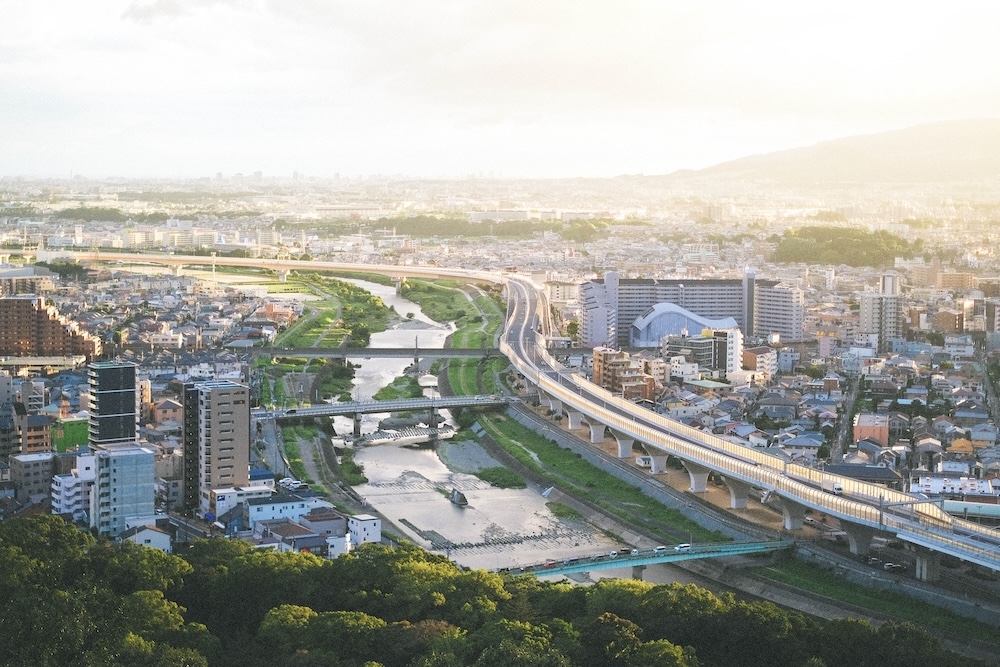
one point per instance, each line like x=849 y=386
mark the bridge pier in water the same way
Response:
x=357 y=424
x=575 y=419
x=637 y=571
x=739 y=492
x=698 y=475
x=624 y=443
x=928 y=565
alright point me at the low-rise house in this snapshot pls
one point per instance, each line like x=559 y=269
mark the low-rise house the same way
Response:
x=148 y=536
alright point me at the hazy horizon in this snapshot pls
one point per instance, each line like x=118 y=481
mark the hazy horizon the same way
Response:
x=183 y=88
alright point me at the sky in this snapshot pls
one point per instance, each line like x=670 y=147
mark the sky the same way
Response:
x=448 y=88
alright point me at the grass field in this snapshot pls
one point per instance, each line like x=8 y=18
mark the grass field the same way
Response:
x=823 y=582
x=575 y=475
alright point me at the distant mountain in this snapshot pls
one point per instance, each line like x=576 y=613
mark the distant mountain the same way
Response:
x=946 y=152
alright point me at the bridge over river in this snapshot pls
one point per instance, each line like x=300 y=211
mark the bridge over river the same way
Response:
x=638 y=559
x=358 y=408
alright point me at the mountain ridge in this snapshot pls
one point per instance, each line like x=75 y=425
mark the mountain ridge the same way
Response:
x=941 y=152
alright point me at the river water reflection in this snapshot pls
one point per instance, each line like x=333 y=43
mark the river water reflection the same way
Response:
x=409 y=485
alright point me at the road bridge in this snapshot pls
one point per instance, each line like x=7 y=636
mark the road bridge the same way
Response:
x=357 y=408
x=606 y=561
x=373 y=352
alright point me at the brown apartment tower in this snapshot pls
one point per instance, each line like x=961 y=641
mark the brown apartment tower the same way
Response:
x=33 y=329
x=216 y=440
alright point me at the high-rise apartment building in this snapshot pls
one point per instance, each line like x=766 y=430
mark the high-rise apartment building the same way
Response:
x=123 y=485
x=123 y=488
x=610 y=306
x=33 y=329
x=216 y=440
x=881 y=313
x=779 y=309
x=114 y=407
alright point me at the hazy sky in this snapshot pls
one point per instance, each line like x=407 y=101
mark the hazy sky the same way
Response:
x=452 y=87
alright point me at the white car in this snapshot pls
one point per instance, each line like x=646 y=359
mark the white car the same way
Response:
x=682 y=547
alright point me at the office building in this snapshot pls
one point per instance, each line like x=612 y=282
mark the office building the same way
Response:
x=114 y=406
x=216 y=440
x=33 y=329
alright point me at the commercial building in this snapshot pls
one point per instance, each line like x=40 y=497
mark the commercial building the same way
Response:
x=216 y=436
x=33 y=329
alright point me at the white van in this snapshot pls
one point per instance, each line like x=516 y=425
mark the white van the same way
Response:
x=683 y=547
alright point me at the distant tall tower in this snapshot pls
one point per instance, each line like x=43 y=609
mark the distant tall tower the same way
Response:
x=114 y=408
x=216 y=440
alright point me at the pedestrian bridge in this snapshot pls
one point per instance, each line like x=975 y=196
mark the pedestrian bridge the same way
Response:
x=605 y=561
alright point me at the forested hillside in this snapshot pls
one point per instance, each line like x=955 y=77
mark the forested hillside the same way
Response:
x=67 y=599
x=852 y=246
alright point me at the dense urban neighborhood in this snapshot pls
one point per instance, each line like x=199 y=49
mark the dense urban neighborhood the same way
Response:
x=173 y=355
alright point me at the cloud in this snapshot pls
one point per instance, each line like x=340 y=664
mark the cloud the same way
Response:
x=418 y=84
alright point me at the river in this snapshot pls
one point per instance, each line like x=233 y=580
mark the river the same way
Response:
x=499 y=527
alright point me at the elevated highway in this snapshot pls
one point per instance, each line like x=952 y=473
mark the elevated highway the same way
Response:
x=864 y=510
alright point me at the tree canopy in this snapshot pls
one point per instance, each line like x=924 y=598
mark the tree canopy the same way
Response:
x=67 y=598
x=852 y=246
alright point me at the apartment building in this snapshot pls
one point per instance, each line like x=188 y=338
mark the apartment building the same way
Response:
x=216 y=436
x=610 y=306
x=114 y=403
x=779 y=309
x=882 y=312
x=33 y=329
x=124 y=486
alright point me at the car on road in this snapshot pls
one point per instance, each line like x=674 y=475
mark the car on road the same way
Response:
x=683 y=547
x=894 y=567
x=634 y=552
x=660 y=550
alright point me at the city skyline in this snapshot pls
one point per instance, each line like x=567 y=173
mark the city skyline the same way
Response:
x=167 y=88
